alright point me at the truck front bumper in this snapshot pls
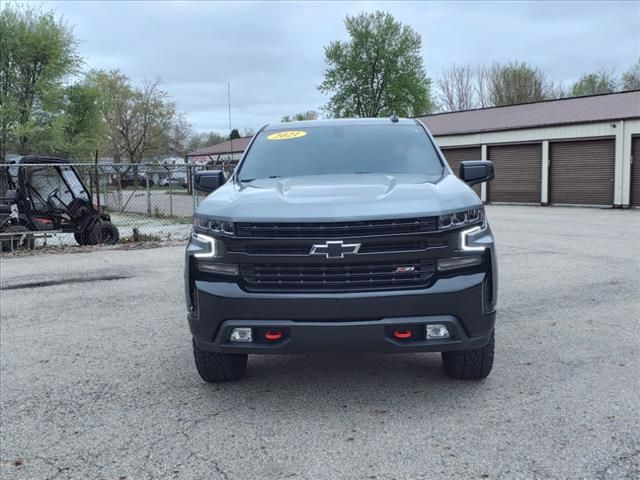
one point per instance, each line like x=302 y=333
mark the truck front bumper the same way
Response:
x=362 y=321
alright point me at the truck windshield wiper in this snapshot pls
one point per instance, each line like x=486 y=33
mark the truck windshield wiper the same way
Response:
x=247 y=180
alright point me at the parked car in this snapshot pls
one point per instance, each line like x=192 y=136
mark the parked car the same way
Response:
x=342 y=235
x=165 y=182
x=129 y=181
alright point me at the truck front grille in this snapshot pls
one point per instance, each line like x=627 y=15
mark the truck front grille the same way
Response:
x=324 y=277
x=319 y=231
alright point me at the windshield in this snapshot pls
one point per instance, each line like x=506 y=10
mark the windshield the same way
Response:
x=74 y=182
x=45 y=184
x=57 y=184
x=341 y=149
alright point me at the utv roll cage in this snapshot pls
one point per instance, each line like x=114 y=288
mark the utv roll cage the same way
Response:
x=46 y=193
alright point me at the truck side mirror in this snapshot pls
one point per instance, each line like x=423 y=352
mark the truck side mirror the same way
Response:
x=208 y=180
x=476 y=171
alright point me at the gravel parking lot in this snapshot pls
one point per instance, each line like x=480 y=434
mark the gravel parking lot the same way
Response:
x=97 y=377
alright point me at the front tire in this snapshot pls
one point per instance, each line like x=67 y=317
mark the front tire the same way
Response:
x=103 y=232
x=473 y=364
x=216 y=367
x=81 y=238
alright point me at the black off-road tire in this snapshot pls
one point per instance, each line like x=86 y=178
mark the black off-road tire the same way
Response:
x=10 y=244
x=216 y=367
x=80 y=237
x=473 y=364
x=104 y=233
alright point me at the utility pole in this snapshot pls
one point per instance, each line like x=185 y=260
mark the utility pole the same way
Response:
x=95 y=172
x=229 y=105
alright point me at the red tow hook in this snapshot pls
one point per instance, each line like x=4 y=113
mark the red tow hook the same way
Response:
x=402 y=334
x=273 y=335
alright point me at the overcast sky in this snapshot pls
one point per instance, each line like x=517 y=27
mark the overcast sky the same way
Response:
x=272 y=53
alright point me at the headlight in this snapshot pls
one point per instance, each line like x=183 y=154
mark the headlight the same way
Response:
x=206 y=248
x=214 y=225
x=461 y=219
x=209 y=247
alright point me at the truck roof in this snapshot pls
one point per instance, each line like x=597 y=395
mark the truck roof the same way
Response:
x=339 y=122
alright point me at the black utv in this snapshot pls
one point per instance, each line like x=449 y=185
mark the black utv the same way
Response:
x=46 y=193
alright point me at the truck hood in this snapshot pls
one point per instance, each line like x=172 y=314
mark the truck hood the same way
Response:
x=339 y=197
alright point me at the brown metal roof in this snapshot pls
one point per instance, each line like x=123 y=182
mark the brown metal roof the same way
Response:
x=596 y=108
x=239 y=144
x=566 y=111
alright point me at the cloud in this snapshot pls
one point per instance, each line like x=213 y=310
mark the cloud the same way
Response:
x=272 y=53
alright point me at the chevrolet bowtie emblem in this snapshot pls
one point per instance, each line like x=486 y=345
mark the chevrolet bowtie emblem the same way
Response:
x=335 y=249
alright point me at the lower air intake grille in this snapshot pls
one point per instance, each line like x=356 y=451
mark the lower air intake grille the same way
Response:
x=337 y=277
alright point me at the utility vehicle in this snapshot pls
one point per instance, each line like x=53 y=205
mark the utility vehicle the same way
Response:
x=46 y=193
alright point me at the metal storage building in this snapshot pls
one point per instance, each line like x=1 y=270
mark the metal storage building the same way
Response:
x=574 y=151
x=220 y=153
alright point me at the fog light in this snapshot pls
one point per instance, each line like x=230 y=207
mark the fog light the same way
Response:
x=219 y=268
x=437 y=330
x=445 y=264
x=241 y=335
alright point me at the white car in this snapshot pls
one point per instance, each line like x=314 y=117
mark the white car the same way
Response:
x=165 y=182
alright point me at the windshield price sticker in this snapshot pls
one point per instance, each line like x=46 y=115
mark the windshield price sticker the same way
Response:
x=288 y=135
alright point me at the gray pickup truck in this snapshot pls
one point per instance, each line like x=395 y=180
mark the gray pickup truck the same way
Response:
x=342 y=235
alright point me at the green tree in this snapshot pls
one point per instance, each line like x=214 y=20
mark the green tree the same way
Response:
x=631 y=78
x=140 y=121
x=115 y=97
x=377 y=72
x=594 y=83
x=234 y=134
x=78 y=130
x=37 y=54
x=84 y=128
x=513 y=83
x=308 y=115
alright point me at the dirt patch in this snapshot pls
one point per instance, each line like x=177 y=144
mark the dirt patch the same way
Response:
x=63 y=281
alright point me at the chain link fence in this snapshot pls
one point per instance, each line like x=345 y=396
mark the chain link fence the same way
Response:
x=145 y=202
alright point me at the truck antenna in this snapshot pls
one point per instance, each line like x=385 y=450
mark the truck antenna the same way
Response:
x=394 y=117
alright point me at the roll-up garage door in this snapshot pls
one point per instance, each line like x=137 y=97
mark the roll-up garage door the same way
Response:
x=518 y=171
x=635 y=172
x=456 y=155
x=582 y=172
